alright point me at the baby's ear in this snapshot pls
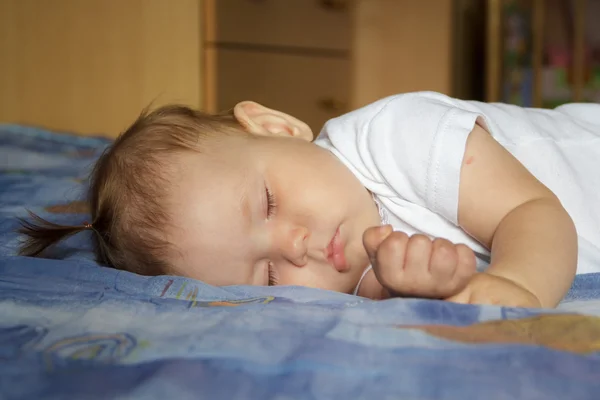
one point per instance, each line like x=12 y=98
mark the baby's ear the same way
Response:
x=261 y=120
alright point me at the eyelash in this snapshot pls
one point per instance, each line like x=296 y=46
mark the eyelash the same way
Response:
x=271 y=204
x=272 y=275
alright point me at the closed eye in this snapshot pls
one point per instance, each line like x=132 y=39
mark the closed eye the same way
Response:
x=273 y=280
x=271 y=204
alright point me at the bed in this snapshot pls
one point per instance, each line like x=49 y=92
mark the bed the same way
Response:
x=70 y=328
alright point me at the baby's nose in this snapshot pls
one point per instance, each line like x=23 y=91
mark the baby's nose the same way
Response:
x=294 y=246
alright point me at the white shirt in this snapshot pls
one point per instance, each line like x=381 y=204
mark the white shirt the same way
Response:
x=408 y=150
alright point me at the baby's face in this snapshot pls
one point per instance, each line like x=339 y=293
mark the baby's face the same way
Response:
x=255 y=209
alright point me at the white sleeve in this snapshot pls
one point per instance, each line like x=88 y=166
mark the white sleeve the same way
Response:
x=409 y=146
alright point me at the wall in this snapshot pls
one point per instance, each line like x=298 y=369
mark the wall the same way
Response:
x=90 y=66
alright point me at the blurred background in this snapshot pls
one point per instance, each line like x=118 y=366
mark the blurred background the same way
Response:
x=90 y=66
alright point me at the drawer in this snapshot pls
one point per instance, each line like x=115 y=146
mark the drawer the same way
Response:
x=319 y=24
x=313 y=89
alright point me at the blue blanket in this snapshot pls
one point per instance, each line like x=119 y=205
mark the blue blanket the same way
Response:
x=72 y=329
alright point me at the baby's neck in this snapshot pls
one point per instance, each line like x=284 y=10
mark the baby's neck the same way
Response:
x=371 y=288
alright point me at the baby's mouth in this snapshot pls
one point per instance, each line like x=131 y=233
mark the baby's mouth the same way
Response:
x=335 y=253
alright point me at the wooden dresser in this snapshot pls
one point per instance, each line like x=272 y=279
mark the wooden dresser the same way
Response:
x=90 y=66
x=316 y=59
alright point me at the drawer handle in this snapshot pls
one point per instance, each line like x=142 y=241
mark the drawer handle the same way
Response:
x=330 y=104
x=334 y=5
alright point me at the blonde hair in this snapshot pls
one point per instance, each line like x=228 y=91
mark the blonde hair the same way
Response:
x=127 y=191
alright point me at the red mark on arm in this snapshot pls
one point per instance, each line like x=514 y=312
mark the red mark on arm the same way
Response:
x=470 y=160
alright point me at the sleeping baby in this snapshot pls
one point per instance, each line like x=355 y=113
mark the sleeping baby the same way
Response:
x=415 y=195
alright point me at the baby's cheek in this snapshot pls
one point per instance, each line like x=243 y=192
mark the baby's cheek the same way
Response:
x=356 y=254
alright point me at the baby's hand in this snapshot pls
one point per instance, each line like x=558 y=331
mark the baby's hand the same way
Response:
x=485 y=288
x=418 y=266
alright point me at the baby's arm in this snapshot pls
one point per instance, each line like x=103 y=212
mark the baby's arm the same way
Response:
x=532 y=238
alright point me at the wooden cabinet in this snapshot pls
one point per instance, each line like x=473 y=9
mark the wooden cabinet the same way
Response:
x=291 y=55
x=310 y=24
x=312 y=88
x=91 y=66
x=317 y=59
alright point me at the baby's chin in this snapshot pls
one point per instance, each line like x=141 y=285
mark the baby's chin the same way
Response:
x=345 y=282
x=328 y=280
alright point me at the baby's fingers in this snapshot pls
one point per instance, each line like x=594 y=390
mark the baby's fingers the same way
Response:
x=389 y=260
x=373 y=237
x=451 y=267
x=442 y=269
x=466 y=267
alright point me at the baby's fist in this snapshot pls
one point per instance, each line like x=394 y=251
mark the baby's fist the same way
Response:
x=416 y=266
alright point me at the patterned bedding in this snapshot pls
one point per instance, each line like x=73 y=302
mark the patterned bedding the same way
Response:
x=72 y=329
